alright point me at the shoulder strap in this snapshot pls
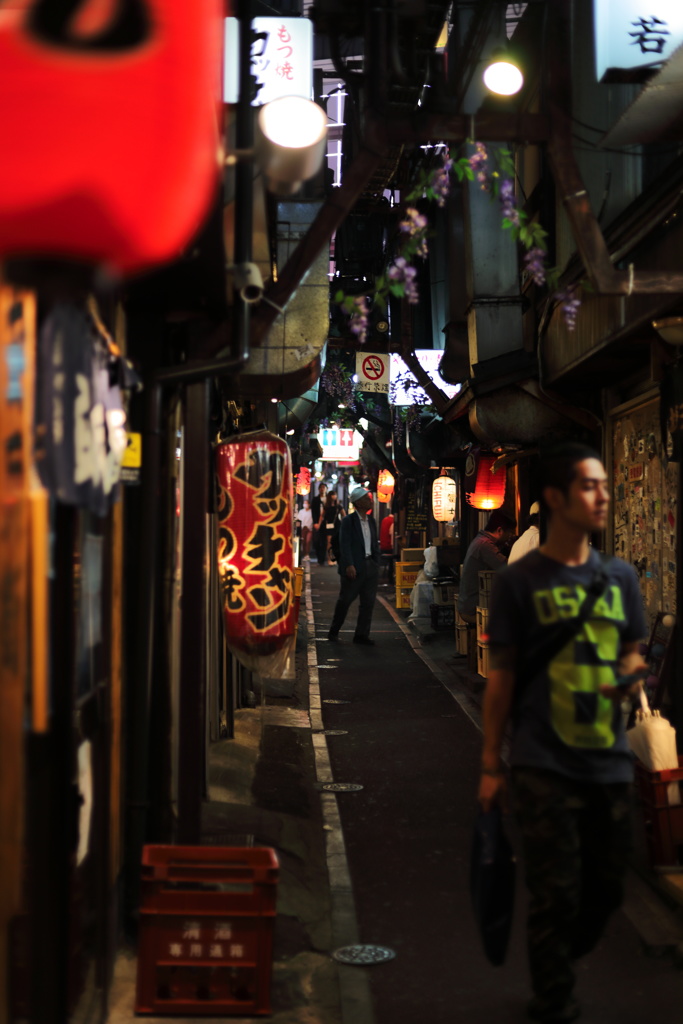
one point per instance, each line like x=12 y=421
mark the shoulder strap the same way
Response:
x=545 y=654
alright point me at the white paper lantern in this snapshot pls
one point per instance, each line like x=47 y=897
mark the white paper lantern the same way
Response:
x=443 y=498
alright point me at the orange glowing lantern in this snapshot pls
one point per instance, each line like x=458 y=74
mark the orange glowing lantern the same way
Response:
x=303 y=481
x=489 y=489
x=385 y=486
x=444 y=493
x=255 y=556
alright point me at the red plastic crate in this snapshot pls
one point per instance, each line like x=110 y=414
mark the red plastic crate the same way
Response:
x=663 y=820
x=653 y=786
x=206 y=930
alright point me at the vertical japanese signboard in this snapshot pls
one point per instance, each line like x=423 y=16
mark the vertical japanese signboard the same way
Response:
x=632 y=37
x=255 y=553
x=281 y=58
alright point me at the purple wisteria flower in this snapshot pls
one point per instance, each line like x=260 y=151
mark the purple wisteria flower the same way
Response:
x=359 y=318
x=479 y=164
x=508 y=201
x=570 y=305
x=534 y=264
x=338 y=385
x=414 y=223
x=401 y=272
x=441 y=181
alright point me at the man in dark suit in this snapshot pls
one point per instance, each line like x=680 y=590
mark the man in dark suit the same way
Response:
x=358 y=567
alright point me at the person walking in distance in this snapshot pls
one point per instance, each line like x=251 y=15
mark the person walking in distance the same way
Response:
x=483 y=555
x=305 y=518
x=358 y=567
x=563 y=623
x=331 y=515
x=319 y=538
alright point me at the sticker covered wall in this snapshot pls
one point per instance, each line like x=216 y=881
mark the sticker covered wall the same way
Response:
x=645 y=504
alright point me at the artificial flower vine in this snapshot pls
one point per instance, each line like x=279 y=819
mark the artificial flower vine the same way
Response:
x=497 y=179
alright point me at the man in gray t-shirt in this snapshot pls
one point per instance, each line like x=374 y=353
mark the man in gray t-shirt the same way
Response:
x=483 y=555
x=569 y=759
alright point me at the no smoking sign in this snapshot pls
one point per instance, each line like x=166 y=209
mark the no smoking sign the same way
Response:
x=372 y=370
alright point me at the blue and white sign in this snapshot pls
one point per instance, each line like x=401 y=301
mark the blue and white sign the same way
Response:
x=282 y=59
x=635 y=34
x=340 y=444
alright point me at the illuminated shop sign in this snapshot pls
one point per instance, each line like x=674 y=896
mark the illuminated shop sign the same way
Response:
x=429 y=359
x=282 y=61
x=340 y=444
x=632 y=35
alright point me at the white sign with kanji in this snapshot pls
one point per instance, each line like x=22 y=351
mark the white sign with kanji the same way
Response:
x=282 y=59
x=630 y=34
x=372 y=370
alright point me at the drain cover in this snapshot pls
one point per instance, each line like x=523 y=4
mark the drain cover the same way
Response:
x=340 y=787
x=333 y=700
x=325 y=666
x=332 y=732
x=363 y=956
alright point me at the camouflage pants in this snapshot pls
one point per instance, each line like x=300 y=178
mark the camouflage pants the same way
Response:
x=576 y=839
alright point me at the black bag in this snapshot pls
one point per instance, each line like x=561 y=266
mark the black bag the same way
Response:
x=492 y=883
x=334 y=543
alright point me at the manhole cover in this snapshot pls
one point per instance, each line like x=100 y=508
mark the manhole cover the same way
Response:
x=333 y=700
x=340 y=787
x=332 y=732
x=363 y=956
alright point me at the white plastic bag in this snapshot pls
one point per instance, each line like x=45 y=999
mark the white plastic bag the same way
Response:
x=653 y=740
x=431 y=566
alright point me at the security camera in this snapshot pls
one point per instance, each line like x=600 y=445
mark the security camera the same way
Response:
x=248 y=282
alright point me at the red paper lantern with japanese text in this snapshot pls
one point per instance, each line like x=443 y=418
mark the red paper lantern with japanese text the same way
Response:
x=489 y=490
x=385 y=486
x=303 y=481
x=255 y=556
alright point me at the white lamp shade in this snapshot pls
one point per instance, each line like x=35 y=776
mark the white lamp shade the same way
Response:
x=503 y=77
x=291 y=142
x=443 y=499
x=670 y=329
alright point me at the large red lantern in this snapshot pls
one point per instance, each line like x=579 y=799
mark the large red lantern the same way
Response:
x=303 y=481
x=110 y=128
x=385 y=486
x=255 y=556
x=489 y=489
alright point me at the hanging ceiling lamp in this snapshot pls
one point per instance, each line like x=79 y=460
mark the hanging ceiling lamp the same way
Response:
x=503 y=75
x=444 y=494
x=385 y=486
x=489 y=489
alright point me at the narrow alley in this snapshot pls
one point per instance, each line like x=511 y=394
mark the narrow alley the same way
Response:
x=387 y=865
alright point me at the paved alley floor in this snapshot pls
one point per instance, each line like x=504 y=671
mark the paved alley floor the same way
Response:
x=388 y=864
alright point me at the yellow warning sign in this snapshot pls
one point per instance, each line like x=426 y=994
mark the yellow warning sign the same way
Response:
x=132 y=457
